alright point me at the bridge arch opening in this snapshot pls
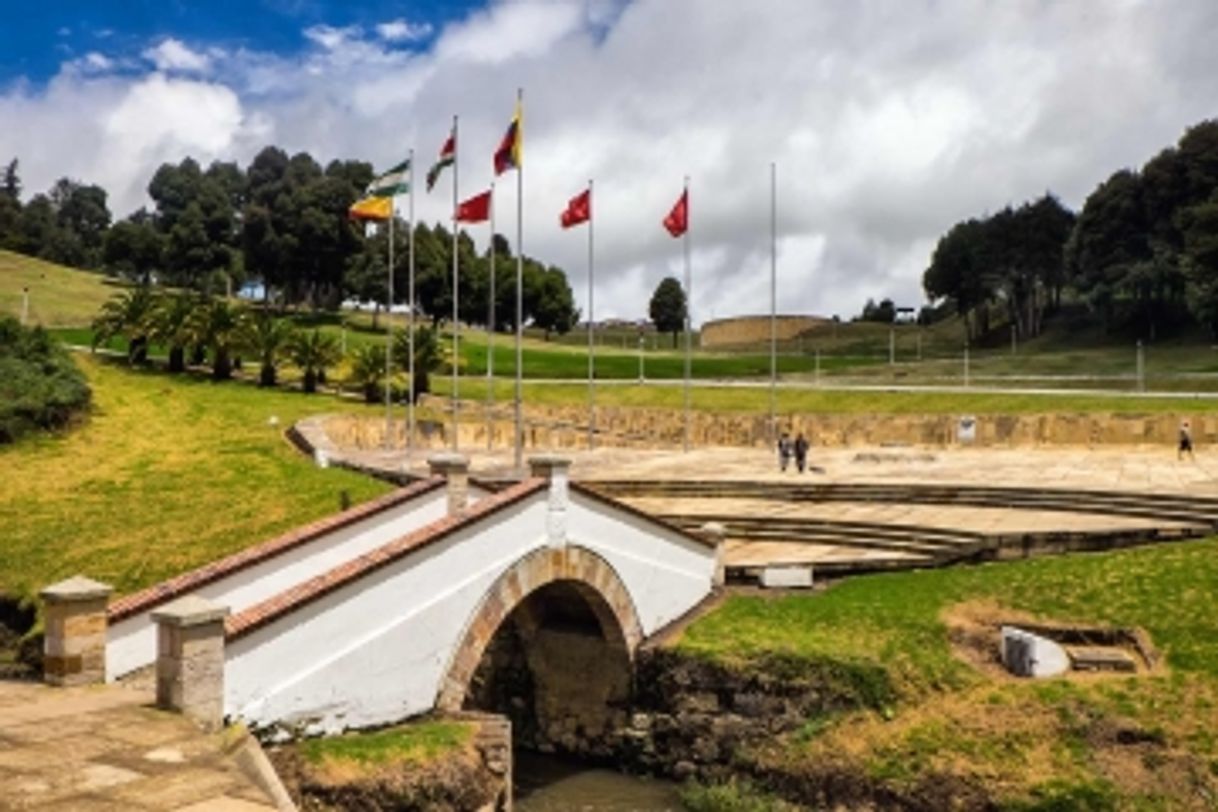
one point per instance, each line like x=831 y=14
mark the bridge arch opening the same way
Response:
x=552 y=648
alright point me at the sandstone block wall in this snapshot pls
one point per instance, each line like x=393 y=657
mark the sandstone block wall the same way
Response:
x=564 y=427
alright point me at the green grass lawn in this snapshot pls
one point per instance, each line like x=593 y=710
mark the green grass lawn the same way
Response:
x=169 y=472
x=756 y=400
x=59 y=296
x=1038 y=743
x=404 y=744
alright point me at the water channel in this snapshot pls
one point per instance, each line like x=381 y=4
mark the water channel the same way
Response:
x=546 y=784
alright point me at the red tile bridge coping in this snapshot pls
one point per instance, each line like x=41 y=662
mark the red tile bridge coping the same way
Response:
x=304 y=593
x=188 y=582
x=308 y=591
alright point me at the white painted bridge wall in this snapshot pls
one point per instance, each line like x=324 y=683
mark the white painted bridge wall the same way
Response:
x=131 y=642
x=376 y=650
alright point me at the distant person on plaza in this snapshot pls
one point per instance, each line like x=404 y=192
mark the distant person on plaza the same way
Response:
x=1186 y=441
x=784 y=451
x=801 y=452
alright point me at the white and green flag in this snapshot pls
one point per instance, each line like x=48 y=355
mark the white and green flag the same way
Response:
x=394 y=182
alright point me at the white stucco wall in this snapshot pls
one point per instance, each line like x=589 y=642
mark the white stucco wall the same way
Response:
x=666 y=572
x=376 y=650
x=131 y=642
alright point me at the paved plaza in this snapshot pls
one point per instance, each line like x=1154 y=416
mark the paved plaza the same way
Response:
x=105 y=749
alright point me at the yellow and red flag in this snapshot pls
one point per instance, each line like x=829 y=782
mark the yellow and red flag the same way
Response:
x=371 y=208
x=508 y=155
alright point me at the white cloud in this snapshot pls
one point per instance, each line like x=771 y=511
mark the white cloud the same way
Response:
x=402 y=30
x=331 y=37
x=174 y=55
x=888 y=121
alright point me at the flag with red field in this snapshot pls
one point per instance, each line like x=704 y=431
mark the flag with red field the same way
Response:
x=677 y=221
x=579 y=210
x=476 y=209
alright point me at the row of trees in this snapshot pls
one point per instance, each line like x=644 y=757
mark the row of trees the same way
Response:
x=281 y=221
x=66 y=224
x=196 y=329
x=1144 y=246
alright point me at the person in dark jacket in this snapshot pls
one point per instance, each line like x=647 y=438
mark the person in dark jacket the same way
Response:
x=784 y=451
x=801 y=452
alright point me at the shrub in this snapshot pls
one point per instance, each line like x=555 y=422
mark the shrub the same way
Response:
x=40 y=387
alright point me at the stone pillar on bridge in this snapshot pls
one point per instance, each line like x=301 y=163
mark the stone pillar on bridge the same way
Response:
x=555 y=469
x=455 y=469
x=715 y=534
x=190 y=659
x=74 y=642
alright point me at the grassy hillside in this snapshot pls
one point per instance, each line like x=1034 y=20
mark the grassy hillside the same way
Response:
x=167 y=474
x=59 y=296
x=1110 y=743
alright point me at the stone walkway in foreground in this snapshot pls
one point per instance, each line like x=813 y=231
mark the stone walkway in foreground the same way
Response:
x=105 y=749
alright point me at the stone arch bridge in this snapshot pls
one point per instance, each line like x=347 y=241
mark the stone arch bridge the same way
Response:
x=432 y=597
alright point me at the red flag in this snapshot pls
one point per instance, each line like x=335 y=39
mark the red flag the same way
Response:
x=579 y=210
x=677 y=220
x=477 y=209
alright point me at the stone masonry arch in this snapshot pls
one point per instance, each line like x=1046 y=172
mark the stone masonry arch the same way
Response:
x=590 y=574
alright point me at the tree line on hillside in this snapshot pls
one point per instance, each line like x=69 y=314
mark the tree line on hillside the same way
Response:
x=281 y=221
x=1143 y=251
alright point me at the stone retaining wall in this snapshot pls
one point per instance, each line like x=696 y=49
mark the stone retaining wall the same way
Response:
x=565 y=427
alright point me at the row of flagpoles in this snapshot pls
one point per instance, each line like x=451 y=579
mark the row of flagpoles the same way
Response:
x=378 y=204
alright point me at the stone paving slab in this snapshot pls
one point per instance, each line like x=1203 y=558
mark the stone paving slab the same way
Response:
x=101 y=748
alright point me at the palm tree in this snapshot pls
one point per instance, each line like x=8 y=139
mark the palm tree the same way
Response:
x=368 y=370
x=313 y=351
x=426 y=357
x=128 y=314
x=171 y=326
x=214 y=325
x=266 y=337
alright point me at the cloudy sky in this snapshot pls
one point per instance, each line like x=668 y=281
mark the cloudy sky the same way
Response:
x=888 y=119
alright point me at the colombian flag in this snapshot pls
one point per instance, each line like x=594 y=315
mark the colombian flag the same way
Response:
x=508 y=156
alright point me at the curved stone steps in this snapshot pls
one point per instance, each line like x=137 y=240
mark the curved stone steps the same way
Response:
x=866 y=535
x=1162 y=507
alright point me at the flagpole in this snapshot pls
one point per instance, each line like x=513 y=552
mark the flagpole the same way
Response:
x=456 y=291
x=410 y=327
x=519 y=428
x=490 y=336
x=689 y=299
x=389 y=333
x=773 y=300
x=591 y=332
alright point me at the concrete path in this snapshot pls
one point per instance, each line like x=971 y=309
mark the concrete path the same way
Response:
x=105 y=749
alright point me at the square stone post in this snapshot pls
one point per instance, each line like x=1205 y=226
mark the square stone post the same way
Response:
x=455 y=470
x=74 y=642
x=715 y=533
x=190 y=659
x=555 y=469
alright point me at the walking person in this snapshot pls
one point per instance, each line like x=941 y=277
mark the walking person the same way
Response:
x=1186 y=441
x=784 y=451
x=801 y=452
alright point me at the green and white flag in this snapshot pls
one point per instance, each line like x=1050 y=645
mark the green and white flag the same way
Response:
x=394 y=182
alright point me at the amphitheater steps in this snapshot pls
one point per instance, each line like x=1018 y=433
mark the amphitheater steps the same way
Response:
x=836 y=546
